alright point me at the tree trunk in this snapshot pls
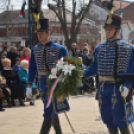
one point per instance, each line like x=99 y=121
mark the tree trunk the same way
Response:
x=60 y=10
x=69 y=42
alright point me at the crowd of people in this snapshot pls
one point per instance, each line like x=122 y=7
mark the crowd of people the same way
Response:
x=86 y=57
x=14 y=72
x=13 y=76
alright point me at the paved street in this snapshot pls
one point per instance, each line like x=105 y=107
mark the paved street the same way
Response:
x=84 y=116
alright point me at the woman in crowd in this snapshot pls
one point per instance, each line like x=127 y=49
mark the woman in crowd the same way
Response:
x=4 y=92
x=87 y=58
x=12 y=80
x=1 y=59
x=26 y=56
x=23 y=76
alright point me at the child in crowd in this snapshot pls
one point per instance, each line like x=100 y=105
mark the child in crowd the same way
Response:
x=16 y=66
x=22 y=73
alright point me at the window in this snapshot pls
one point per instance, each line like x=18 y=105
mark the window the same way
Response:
x=55 y=41
x=61 y=42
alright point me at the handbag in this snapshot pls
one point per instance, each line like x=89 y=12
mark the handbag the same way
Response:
x=2 y=82
x=60 y=105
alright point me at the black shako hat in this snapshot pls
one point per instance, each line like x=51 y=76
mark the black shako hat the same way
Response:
x=42 y=25
x=113 y=20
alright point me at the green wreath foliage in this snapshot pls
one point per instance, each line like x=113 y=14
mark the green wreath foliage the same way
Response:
x=67 y=85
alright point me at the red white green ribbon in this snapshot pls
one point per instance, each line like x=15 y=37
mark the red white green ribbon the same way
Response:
x=52 y=89
x=126 y=47
x=51 y=55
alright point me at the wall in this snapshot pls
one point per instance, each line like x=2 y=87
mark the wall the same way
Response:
x=126 y=32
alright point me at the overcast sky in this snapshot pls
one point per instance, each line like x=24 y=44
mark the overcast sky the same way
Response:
x=17 y=4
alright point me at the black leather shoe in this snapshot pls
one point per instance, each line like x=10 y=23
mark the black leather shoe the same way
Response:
x=22 y=104
x=31 y=103
x=1 y=109
x=112 y=131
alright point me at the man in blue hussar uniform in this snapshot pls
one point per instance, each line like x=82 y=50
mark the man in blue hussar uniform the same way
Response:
x=43 y=57
x=114 y=64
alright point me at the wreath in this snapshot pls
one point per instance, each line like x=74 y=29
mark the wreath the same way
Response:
x=63 y=77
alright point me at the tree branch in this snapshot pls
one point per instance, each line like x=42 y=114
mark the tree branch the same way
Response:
x=51 y=7
x=63 y=23
x=64 y=12
x=73 y=23
x=59 y=8
x=85 y=10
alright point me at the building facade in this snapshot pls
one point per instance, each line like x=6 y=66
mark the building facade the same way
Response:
x=14 y=30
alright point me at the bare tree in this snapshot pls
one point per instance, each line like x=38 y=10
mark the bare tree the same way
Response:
x=3 y=3
x=60 y=10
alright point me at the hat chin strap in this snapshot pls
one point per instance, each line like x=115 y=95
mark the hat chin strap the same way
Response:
x=113 y=35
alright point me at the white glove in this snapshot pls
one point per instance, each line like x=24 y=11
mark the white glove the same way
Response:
x=124 y=92
x=29 y=92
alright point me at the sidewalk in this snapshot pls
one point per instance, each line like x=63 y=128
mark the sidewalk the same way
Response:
x=84 y=117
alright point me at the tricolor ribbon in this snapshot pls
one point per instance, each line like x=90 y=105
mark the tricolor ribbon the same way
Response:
x=51 y=55
x=52 y=89
x=126 y=47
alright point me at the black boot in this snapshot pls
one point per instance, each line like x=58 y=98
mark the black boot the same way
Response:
x=12 y=102
x=112 y=131
x=1 y=109
x=46 y=126
x=21 y=102
x=56 y=124
x=124 y=130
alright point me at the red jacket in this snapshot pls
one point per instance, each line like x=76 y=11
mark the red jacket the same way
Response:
x=24 y=58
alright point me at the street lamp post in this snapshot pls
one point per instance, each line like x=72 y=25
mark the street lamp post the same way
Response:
x=29 y=23
x=121 y=15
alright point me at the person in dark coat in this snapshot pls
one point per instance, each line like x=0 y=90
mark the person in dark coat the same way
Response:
x=78 y=53
x=10 y=55
x=1 y=59
x=73 y=49
x=4 y=92
x=12 y=80
x=87 y=58
x=3 y=53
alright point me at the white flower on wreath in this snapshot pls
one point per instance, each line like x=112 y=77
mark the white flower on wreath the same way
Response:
x=68 y=69
x=60 y=64
x=53 y=73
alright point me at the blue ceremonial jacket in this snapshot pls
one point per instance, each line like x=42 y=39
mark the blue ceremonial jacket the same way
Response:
x=54 y=51
x=104 y=61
